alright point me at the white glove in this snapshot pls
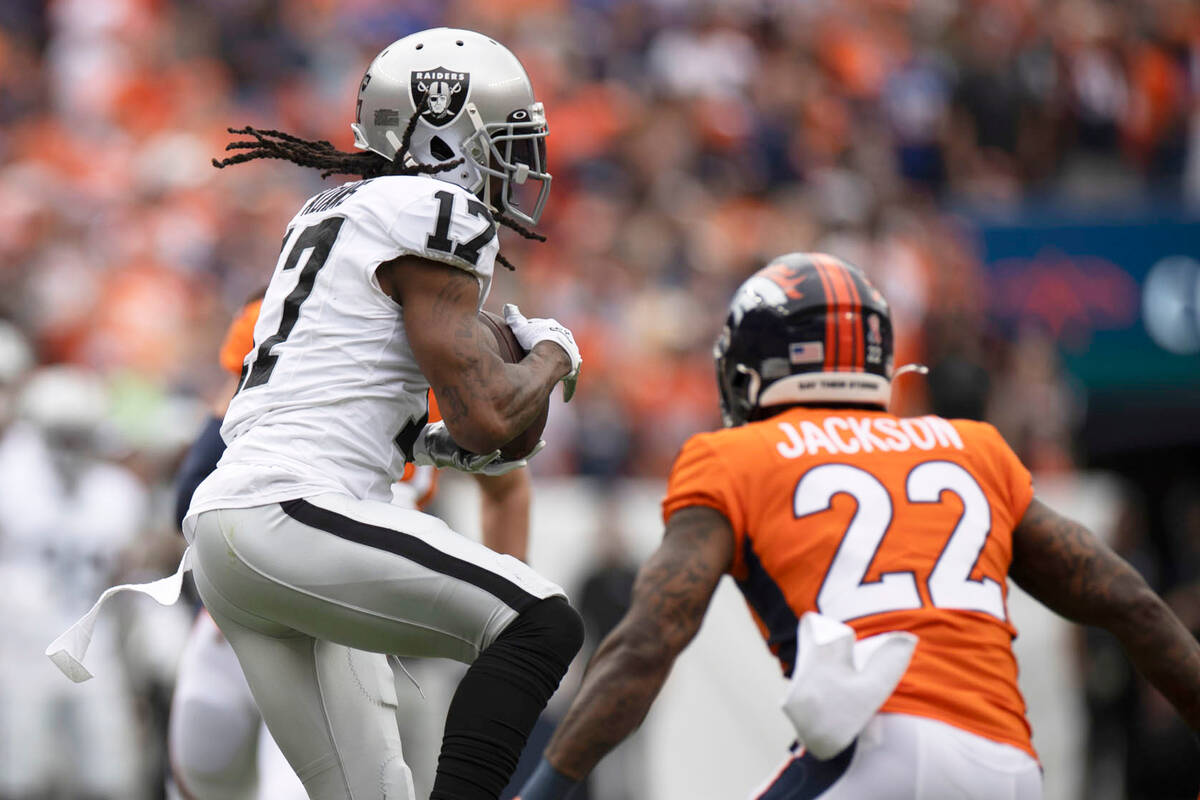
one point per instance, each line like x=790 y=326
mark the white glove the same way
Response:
x=435 y=447
x=531 y=331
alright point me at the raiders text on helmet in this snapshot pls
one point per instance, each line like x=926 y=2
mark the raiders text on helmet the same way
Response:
x=475 y=101
x=807 y=328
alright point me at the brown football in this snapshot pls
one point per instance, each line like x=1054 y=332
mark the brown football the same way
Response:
x=510 y=350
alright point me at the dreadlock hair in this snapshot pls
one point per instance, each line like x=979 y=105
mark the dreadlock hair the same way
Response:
x=525 y=233
x=322 y=155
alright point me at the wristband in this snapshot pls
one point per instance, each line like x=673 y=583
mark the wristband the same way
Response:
x=547 y=783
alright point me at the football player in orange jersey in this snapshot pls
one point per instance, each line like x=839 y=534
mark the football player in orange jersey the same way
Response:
x=827 y=509
x=218 y=746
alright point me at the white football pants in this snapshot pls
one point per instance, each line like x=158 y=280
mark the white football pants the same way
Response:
x=295 y=586
x=903 y=757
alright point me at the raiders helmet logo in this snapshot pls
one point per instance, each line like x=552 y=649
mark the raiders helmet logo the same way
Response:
x=440 y=94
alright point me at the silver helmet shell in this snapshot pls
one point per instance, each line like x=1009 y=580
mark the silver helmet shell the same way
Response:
x=475 y=102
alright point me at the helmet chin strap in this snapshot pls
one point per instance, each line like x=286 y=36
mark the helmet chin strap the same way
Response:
x=396 y=144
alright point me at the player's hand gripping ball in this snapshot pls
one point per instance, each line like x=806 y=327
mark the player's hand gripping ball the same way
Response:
x=510 y=351
x=531 y=331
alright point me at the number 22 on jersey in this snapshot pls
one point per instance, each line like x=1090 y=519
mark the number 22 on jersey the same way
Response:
x=845 y=594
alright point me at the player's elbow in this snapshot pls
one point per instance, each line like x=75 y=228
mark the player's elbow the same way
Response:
x=647 y=647
x=645 y=657
x=481 y=431
x=1136 y=608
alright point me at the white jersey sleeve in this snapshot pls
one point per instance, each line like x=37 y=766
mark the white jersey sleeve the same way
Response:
x=435 y=220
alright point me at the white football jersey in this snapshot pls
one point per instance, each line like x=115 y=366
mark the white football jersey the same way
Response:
x=331 y=395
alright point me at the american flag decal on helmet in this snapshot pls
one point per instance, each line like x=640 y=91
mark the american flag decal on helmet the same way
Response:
x=806 y=352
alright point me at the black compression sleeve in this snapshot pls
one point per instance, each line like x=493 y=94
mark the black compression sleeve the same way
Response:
x=500 y=698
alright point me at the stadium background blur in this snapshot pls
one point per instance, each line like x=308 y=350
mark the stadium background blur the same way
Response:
x=1020 y=177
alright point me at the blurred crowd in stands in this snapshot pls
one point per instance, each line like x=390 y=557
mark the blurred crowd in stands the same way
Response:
x=690 y=141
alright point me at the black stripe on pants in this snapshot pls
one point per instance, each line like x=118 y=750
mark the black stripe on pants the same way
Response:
x=411 y=547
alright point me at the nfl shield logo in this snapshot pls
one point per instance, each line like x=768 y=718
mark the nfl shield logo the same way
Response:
x=440 y=94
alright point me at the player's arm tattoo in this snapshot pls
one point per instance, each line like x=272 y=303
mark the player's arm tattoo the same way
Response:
x=1062 y=565
x=484 y=401
x=451 y=405
x=670 y=597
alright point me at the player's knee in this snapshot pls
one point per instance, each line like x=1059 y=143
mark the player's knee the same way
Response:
x=551 y=627
x=561 y=627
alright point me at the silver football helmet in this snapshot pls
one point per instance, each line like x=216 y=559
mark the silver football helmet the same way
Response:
x=475 y=101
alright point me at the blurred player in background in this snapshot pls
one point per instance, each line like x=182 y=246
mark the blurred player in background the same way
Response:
x=308 y=570
x=67 y=516
x=218 y=745
x=815 y=499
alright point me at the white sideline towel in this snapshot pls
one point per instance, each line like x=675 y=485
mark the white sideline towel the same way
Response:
x=68 y=650
x=839 y=683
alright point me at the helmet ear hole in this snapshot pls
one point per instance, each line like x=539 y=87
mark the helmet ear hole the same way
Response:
x=748 y=383
x=439 y=149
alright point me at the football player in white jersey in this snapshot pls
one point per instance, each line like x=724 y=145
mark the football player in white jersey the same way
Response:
x=298 y=555
x=218 y=746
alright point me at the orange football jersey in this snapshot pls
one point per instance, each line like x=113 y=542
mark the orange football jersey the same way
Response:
x=239 y=339
x=884 y=523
